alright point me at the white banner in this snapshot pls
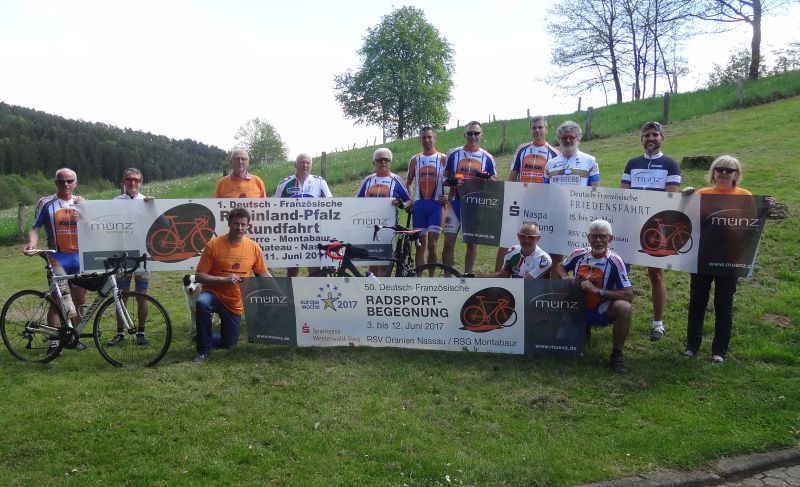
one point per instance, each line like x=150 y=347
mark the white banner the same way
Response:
x=174 y=232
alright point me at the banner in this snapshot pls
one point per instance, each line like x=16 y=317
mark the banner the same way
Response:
x=513 y=316
x=174 y=232
x=707 y=233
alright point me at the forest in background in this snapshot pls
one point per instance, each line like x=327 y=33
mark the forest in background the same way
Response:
x=34 y=144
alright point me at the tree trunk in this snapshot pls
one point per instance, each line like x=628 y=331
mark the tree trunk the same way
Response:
x=755 y=43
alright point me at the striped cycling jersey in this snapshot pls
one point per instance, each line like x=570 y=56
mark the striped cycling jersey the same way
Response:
x=60 y=222
x=606 y=272
x=312 y=187
x=427 y=170
x=530 y=160
x=580 y=170
x=652 y=172
x=391 y=186
x=465 y=162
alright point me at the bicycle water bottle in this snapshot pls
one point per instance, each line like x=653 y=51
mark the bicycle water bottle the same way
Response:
x=369 y=274
x=69 y=305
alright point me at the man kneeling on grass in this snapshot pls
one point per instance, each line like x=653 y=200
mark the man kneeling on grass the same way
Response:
x=226 y=260
x=608 y=291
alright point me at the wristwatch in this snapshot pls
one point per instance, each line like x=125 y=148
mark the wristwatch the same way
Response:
x=603 y=293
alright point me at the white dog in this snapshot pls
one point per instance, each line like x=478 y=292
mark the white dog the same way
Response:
x=191 y=289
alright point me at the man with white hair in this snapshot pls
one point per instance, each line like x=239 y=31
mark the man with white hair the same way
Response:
x=608 y=292
x=383 y=183
x=240 y=184
x=302 y=185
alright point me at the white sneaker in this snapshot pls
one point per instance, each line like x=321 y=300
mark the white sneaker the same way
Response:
x=717 y=359
x=657 y=332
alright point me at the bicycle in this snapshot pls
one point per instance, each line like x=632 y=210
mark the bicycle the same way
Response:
x=496 y=316
x=401 y=263
x=167 y=241
x=30 y=336
x=657 y=240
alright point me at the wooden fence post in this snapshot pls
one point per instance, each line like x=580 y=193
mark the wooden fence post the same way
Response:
x=323 y=165
x=529 y=114
x=502 y=137
x=579 y=103
x=587 y=135
x=739 y=92
x=665 y=118
x=21 y=221
x=458 y=123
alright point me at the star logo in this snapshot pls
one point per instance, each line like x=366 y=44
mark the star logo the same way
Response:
x=329 y=295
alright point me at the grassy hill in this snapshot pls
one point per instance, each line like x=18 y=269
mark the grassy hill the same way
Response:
x=356 y=416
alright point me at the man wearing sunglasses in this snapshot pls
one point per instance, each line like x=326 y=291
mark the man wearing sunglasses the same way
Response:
x=526 y=260
x=240 y=184
x=655 y=172
x=132 y=181
x=56 y=213
x=603 y=278
x=467 y=162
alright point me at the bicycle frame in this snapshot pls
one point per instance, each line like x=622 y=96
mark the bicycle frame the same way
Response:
x=109 y=286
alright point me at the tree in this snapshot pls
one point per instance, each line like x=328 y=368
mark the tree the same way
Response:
x=262 y=141
x=405 y=77
x=738 y=67
x=788 y=58
x=742 y=11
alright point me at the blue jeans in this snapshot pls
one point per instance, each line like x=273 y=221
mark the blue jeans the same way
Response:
x=230 y=323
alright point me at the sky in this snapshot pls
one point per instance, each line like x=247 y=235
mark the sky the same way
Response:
x=199 y=69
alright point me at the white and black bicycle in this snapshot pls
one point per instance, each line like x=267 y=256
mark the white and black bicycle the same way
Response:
x=36 y=327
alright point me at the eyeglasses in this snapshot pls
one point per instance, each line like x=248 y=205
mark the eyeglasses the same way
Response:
x=472 y=134
x=65 y=181
x=726 y=170
x=132 y=180
x=599 y=236
x=383 y=159
x=523 y=236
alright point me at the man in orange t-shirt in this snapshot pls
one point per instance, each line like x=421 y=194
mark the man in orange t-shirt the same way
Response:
x=226 y=260
x=240 y=184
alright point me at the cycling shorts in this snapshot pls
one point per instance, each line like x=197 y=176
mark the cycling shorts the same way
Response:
x=599 y=316
x=428 y=216
x=452 y=217
x=69 y=262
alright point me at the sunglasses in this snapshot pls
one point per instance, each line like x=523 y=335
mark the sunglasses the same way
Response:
x=65 y=181
x=473 y=134
x=523 y=236
x=132 y=180
x=726 y=170
x=383 y=159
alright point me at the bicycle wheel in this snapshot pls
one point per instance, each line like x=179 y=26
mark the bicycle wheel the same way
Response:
x=504 y=316
x=164 y=242
x=474 y=316
x=439 y=270
x=200 y=238
x=22 y=324
x=129 y=351
x=681 y=241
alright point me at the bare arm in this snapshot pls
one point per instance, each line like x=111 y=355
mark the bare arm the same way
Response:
x=33 y=238
x=205 y=278
x=624 y=294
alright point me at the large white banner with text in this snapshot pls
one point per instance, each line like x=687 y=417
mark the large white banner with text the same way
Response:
x=174 y=232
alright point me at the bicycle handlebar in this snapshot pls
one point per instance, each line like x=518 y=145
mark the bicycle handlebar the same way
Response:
x=332 y=250
x=120 y=262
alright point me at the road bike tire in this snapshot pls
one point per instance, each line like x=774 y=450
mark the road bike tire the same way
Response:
x=200 y=238
x=128 y=353
x=682 y=238
x=439 y=270
x=504 y=316
x=474 y=316
x=18 y=323
x=164 y=242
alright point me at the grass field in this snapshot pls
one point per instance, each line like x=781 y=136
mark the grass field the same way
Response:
x=357 y=416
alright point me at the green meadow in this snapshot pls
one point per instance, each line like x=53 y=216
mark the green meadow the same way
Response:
x=269 y=415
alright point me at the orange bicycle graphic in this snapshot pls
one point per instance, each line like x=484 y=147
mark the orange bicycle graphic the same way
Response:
x=167 y=241
x=658 y=241
x=498 y=314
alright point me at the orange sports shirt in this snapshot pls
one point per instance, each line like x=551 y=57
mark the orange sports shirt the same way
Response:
x=221 y=258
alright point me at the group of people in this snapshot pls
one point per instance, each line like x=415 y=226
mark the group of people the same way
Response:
x=601 y=273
